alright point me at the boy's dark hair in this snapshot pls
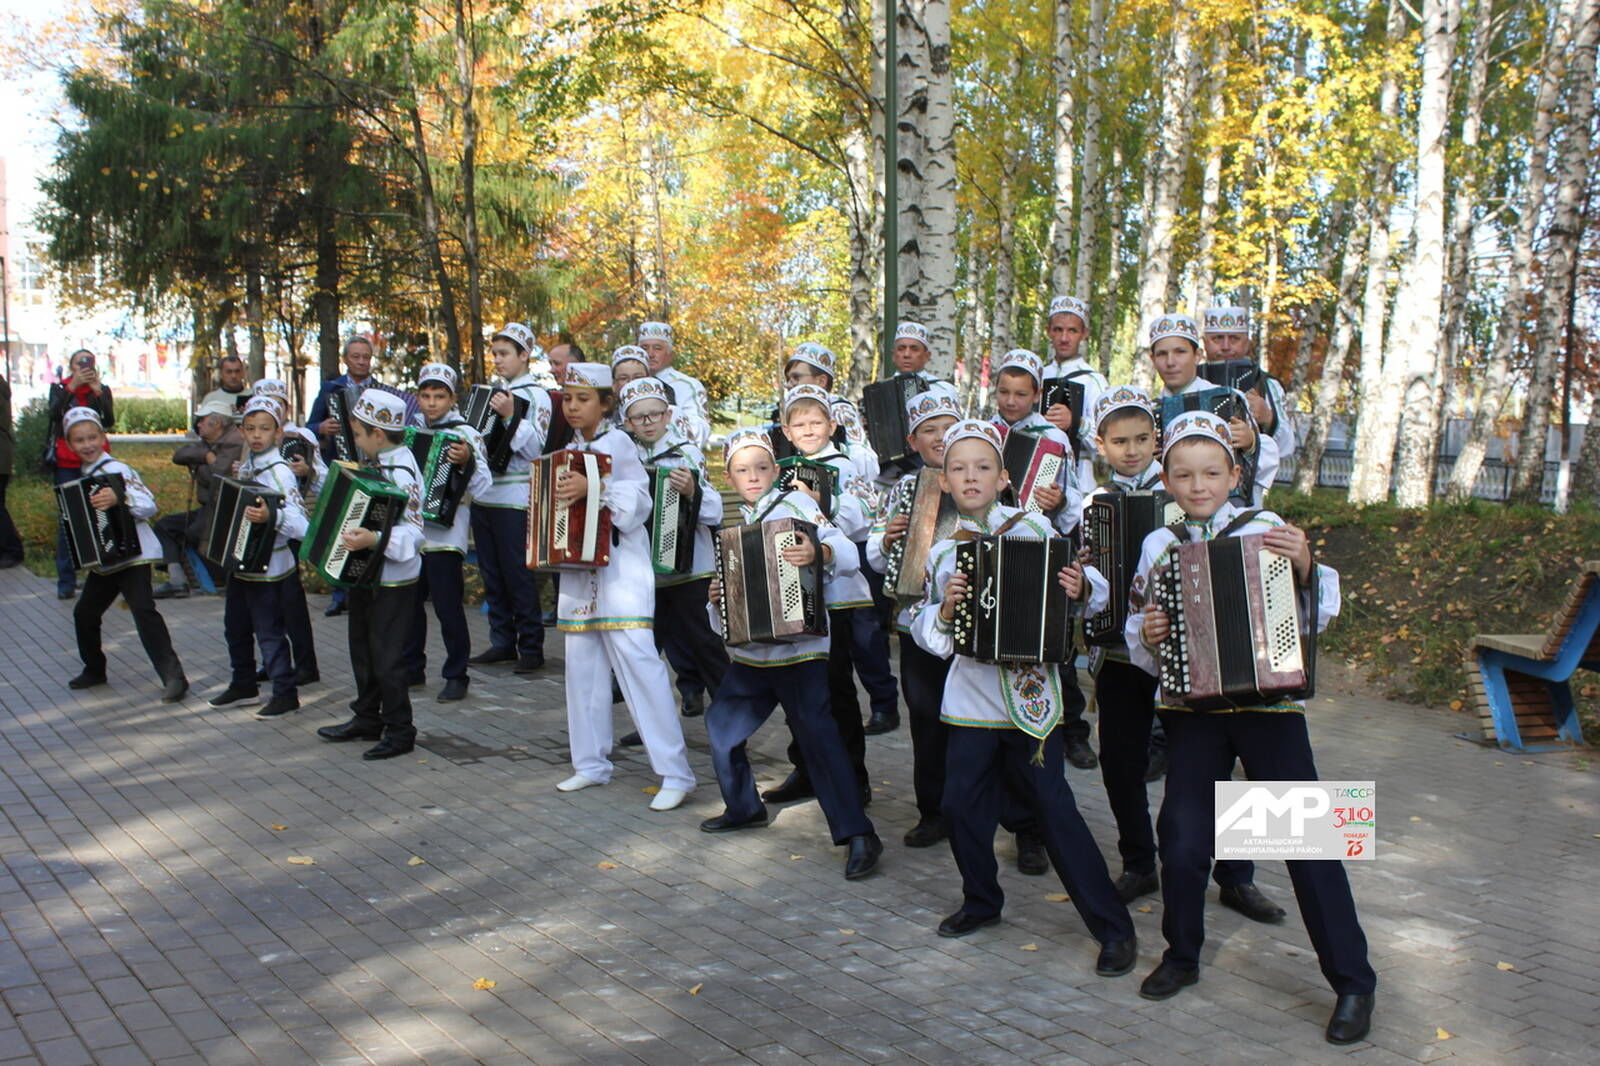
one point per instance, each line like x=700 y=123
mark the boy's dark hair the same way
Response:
x=1122 y=413
x=1019 y=372
x=394 y=436
x=441 y=386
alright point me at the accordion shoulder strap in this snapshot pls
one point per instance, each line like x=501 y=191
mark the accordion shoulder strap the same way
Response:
x=1180 y=528
x=1005 y=526
x=1114 y=487
x=676 y=449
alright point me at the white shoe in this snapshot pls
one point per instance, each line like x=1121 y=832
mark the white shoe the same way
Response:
x=668 y=798
x=576 y=782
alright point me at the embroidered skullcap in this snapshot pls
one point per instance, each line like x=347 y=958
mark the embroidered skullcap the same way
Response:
x=266 y=405
x=75 y=415
x=972 y=428
x=271 y=387
x=1122 y=397
x=802 y=393
x=938 y=400
x=814 y=355
x=642 y=389
x=655 y=331
x=914 y=331
x=1024 y=360
x=844 y=412
x=587 y=376
x=1174 y=326
x=1070 y=305
x=1227 y=320
x=748 y=437
x=629 y=352
x=1197 y=424
x=381 y=409
x=437 y=374
x=521 y=336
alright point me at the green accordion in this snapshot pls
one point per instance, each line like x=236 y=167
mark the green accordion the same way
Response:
x=352 y=499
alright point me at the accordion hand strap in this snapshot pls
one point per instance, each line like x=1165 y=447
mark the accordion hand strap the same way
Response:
x=1180 y=528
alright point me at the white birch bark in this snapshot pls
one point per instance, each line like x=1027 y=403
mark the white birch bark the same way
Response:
x=938 y=237
x=1091 y=209
x=1326 y=398
x=1210 y=185
x=1004 y=273
x=911 y=72
x=1061 y=227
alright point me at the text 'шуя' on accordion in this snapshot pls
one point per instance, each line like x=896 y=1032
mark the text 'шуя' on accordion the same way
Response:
x=233 y=543
x=765 y=598
x=444 y=483
x=673 y=518
x=570 y=536
x=1243 y=630
x=818 y=477
x=1114 y=527
x=352 y=499
x=495 y=430
x=1032 y=461
x=98 y=538
x=883 y=409
x=1015 y=610
x=931 y=515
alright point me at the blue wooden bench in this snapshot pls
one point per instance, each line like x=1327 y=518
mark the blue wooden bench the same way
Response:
x=202 y=573
x=1522 y=683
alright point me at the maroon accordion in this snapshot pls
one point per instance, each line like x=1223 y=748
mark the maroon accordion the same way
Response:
x=1032 y=461
x=575 y=536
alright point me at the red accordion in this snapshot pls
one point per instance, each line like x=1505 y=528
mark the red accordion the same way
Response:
x=1032 y=461
x=575 y=536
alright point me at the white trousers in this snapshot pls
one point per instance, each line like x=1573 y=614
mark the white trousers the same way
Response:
x=630 y=655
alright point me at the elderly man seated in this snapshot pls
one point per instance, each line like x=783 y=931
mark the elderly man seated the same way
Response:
x=211 y=456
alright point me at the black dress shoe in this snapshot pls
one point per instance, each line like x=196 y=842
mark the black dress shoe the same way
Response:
x=1249 y=901
x=630 y=740
x=1351 y=1019
x=694 y=706
x=866 y=795
x=454 y=689
x=1157 y=767
x=416 y=680
x=334 y=609
x=1167 y=980
x=879 y=724
x=87 y=680
x=494 y=655
x=926 y=833
x=616 y=689
x=351 y=730
x=1032 y=859
x=795 y=787
x=277 y=707
x=262 y=675
x=66 y=594
x=726 y=823
x=306 y=676
x=1130 y=886
x=243 y=695
x=7 y=562
x=389 y=748
x=175 y=690
x=1117 y=957
x=865 y=851
x=168 y=591
x=530 y=664
x=1081 y=755
x=962 y=924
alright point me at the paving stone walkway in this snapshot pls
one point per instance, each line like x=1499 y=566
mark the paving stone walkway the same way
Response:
x=187 y=885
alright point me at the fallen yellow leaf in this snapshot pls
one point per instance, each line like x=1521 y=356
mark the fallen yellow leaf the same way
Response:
x=483 y=984
x=302 y=860
x=1415 y=818
x=1505 y=966
x=695 y=991
x=605 y=864
x=796 y=857
x=276 y=828
x=847 y=932
x=1442 y=1034
x=1455 y=705
x=1145 y=909
x=416 y=860
x=651 y=790
x=1030 y=947
x=1057 y=897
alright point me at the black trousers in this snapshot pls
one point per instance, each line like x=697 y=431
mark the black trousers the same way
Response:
x=100 y=591
x=10 y=540
x=377 y=647
x=1274 y=746
x=516 y=620
x=253 y=612
x=683 y=631
x=978 y=763
x=441 y=582
x=860 y=648
x=1074 y=727
x=846 y=713
x=297 y=621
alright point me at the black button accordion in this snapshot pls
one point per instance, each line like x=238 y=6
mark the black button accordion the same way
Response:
x=1238 y=638
x=1114 y=527
x=341 y=402
x=234 y=544
x=932 y=515
x=294 y=446
x=98 y=538
x=766 y=600
x=1241 y=374
x=352 y=499
x=1227 y=405
x=1070 y=392
x=820 y=478
x=443 y=483
x=496 y=431
x=883 y=408
x=1031 y=460
x=674 y=517
x=1015 y=610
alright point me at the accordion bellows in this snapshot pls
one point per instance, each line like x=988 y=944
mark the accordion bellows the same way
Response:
x=1015 y=610
x=496 y=431
x=234 y=544
x=98 y=538
x=1031 y=461
x=575 y=536
x=352 y=499
x=1114 y=527
x=932 y=514
x=883 y=408
x=766 y=600
x=1237 y=638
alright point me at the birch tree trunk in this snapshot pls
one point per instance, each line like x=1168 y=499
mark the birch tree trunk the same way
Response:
x=1369 y=483
x=466 y=70
x=1210 y=185
x=1092 y=201
x=939 y=219
x=255 y=321
x=430 y=224
x=1004 y=267
x=1586 y=472
x=1061 y=227
x=971 y=343
x=1420 y=304
x=1464 y=198
x=1561 y=250
x=911 y=72
x=1326 y=399
x=1497 y=372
